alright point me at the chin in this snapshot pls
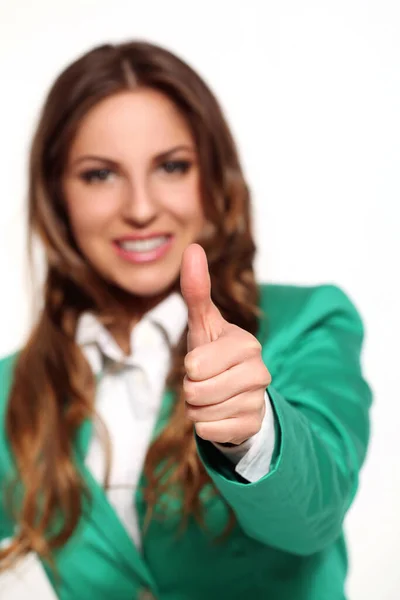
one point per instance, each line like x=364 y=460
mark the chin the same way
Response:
x=148 y=288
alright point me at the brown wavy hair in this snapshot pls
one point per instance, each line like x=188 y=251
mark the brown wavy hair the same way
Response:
x=53 y=388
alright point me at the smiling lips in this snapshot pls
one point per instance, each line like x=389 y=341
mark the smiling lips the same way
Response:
x=140 y=249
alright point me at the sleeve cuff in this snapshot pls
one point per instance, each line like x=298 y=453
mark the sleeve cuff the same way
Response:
x=252 y=459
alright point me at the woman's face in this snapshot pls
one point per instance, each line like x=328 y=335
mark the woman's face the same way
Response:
x=132 y=190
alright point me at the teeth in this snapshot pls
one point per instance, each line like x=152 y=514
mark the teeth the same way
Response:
x=143 y=245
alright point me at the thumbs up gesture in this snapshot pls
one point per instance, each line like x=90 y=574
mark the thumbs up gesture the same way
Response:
x=226 y=378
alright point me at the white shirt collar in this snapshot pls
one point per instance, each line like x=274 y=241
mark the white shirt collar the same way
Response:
x=170 y=315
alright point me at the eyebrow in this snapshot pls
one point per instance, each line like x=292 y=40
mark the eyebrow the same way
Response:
x=159 y=157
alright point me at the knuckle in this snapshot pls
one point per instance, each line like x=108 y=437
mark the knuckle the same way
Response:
x=253 y=347
x=191 y=414
x=191 y=364
x=254 y=426
x=265 y=377
x=260 y=377
x=203 y=430
x=256 y=404
x=190 y=391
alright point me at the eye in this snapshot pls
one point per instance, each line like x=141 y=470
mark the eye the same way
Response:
x=96 y=175
x=176 y=166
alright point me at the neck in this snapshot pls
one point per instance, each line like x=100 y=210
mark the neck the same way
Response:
x=128 y=310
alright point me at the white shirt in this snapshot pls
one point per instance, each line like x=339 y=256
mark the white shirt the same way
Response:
x=129 y=397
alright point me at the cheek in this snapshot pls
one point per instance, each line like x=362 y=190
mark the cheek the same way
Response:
x=184 y=203
x=190 y=214
x=88 y=216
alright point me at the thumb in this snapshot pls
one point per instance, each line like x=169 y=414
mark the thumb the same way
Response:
x=205 y=320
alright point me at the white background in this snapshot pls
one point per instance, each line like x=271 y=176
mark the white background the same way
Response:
x=312 y=91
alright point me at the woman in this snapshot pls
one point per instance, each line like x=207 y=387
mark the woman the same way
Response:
x=145 y=452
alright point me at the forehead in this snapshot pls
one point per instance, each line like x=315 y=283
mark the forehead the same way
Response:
x=143 y=119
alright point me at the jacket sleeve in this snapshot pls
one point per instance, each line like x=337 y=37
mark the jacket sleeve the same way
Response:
x=321 y=404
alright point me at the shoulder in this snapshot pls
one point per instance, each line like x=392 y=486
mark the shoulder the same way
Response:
x=7 y=365
x=288 y=311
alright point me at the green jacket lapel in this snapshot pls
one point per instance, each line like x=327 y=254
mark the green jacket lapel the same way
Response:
x=103 y=518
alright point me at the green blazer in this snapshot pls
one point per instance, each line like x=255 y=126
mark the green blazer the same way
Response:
x=287 y=543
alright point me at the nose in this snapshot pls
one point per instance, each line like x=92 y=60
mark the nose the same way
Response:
x=140 y=208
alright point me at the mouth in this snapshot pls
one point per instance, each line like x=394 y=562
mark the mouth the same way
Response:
x=145 y=249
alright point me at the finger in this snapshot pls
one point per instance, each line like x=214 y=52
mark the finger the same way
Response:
x=242 y=404
x=204 y=319
x=245 y=377
x=234 y=430
x=233 y=347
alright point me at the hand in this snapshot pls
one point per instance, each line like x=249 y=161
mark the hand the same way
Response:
x=226 y=378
